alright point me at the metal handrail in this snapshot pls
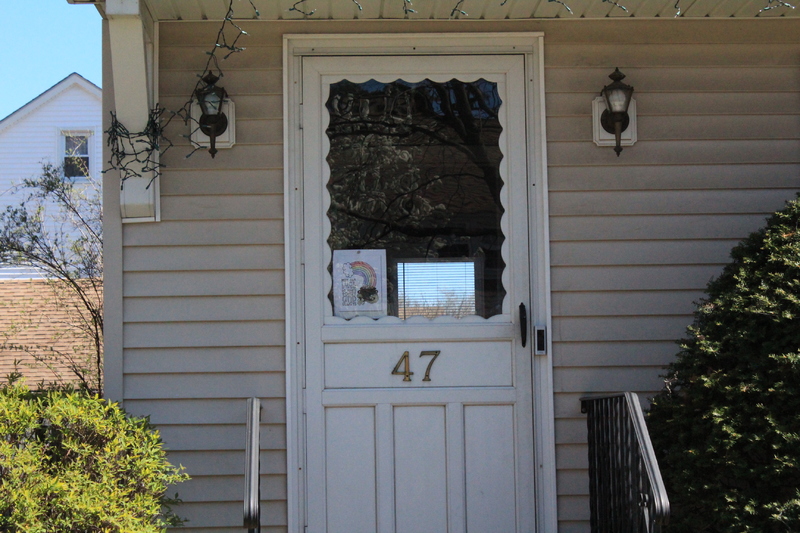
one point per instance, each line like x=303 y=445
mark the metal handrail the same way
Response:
x=252 y=464
x=627 y=493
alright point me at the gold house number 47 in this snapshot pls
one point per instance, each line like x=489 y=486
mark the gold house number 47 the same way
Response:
x=406 y=364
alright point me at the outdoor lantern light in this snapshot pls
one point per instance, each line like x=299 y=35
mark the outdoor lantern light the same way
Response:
x=213 y=121
x=617 y=97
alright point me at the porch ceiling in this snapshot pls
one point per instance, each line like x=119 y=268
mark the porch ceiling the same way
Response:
x=468 y=9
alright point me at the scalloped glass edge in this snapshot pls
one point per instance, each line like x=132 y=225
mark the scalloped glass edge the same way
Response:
x=327 y=254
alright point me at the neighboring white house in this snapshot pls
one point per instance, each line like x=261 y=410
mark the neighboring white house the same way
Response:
x=64 y=121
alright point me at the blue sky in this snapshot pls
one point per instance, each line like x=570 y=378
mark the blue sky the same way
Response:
x=46 y=41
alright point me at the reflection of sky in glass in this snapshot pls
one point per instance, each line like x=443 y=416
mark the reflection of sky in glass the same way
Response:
x=448 y=286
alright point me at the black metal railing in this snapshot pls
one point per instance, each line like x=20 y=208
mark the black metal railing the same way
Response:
x=626 y=491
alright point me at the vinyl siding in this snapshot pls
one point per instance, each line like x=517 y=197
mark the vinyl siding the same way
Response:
x=634 y=239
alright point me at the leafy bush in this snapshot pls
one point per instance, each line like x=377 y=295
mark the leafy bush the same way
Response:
x=727 y=426
x=70 y=462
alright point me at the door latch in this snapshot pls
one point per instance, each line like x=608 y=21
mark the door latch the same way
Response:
x=541 y=341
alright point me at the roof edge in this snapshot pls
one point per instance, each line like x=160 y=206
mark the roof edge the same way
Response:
x=37 y=102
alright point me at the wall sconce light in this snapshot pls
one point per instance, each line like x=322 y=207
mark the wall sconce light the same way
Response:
x=615 y=114
x=211 y=104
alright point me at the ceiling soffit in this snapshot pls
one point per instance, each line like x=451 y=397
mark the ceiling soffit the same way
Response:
x=468 y=9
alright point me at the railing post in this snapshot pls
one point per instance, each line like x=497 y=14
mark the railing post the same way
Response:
x=252 y=467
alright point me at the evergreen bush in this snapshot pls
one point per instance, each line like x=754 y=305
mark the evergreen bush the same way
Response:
x=727 y=426
x=72 y=462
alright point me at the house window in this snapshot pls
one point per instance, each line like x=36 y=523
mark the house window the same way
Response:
x=76 y=156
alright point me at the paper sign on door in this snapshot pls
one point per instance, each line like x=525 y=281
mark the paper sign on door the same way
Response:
x=359 y=283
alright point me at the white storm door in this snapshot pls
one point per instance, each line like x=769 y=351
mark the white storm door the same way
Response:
x=417 y=384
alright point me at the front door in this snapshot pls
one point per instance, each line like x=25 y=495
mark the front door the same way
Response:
x=418 y=385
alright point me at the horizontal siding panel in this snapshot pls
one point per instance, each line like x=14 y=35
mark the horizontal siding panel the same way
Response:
x=175 y=258
x=199 y=386
x=194 y=58
x=220 y=437
x=706 y=104
x=624 y=303
x=675 y=79
x=239 y=81
x=205 y=410
x=571 y=431
x=631 y=328
x=676 y=152
x=230 y=488
x=633 y=278
x=573 y=482
x=614 y=354
x=624 y=32
x=180 y=335
x=268 y=106
x=229 y=207
x=196 y=182
x=674 y=127
x=693 y=177
x=195 y=360
x=572 y=456
x=203 y=308
x=257 y=131
x=248 y=131
x=211 y=283
x=244 y=157
x=565 y=526
x=574 y=507
x=211 y=463
x=655 y=227
x=671 y=55
x=607 y=379
x=666 y=202
x=202 y=232
x=229 y=514
x=626 y=253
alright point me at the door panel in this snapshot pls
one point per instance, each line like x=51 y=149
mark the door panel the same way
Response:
x=350 y=476
x=420 y=468
x=418 y=389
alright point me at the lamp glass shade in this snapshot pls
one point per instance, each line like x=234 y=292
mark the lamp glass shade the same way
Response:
x=211 y=100
x=617 y=99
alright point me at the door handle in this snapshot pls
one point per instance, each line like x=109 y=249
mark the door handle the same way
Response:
x=523 y=324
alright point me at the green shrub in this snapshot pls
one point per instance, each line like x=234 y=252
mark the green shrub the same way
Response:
x=727 y=426
x=71 y=462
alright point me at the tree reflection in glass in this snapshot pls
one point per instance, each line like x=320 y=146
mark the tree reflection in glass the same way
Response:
x=415 y=170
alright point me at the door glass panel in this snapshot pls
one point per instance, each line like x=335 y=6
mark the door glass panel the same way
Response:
x=415 y=199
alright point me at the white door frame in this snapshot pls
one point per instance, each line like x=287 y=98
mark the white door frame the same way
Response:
x=527 y=44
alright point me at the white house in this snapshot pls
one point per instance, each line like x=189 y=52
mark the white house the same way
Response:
x=61 y=125
x=277 y=269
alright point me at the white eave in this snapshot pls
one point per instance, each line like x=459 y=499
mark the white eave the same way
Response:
x=474 y=9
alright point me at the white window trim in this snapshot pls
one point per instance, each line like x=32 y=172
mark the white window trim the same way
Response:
x=92 y=153
x=528 y=44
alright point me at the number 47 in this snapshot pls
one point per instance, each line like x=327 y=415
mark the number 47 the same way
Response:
x=406 y=372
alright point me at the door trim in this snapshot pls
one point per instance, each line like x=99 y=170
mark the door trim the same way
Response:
x=295 y=47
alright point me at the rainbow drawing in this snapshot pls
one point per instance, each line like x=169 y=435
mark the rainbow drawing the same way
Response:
x=365 y=272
